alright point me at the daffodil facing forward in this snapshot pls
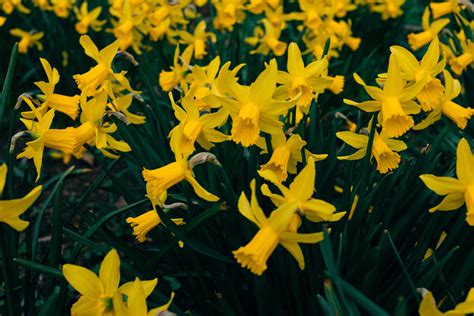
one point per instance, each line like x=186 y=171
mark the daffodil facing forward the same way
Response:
x=426 y=70
x=10 y=210
x=194 y=127
x=394 y=101
x=252 y=108
x=300 y=193
x=96 y=291
x=384 y=149
x=275 y=230
x=301 y=82
x=458 y=191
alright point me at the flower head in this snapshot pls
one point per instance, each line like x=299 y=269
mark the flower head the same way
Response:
x=458 y=191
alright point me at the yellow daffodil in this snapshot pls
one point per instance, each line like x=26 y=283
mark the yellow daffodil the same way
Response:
x=389 y=9
x=176 y=75
x=426 y=70
x=88 y=19
x=429 y=33
x=198 y=39
x=10 y=210
x=28 y=40
x=301 y=82
x=44 y=5
x=337 y=83
x=343 y=33
x=229 y=12
x=202 y=82
x=340 y=8
x=258 y=6
x=394 y=101
x=384 y=149
x=58 y=102
x=428 y=305
x=438 y=9
x=272 y=231
x=311 y=12
x=194 y=127
x=161 y=179
x=122 y=104
x=94 y=131
x=96 y=291
x=456 y=113
x=137 y=293
x=60 y=139
x=300 y=193
x=99 y=77
x=8 y=6
x=62 y=7
x=145 y=222
x=286 y=154
x=458 y=191
x=252 y=108
x=127 y=27
x=460 y=63
x=267 y=40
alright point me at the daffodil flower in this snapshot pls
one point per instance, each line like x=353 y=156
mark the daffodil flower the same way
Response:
x=384 y=149
x=267 y=40
x=62 y=7
x=429 y=33
x=96 y=291
x=27 y=40
x=275 y=230
x=460 y=63
x=389 y=9
x=58 y=102
x=161 y=179
x=300 y=193
x=145 y=222
x=439 y=9
x=10 y=210
x=88 y=19
x=258 y=6
x=286 y=154
x=428 y=306
x=60 y=139
x=94 y=131
x=198 y=39
x=9 y=5
x=252 y=108
x=126 y=28
x=458 y=191
x=194 y=127
x=122 y=104
x=300 y=80
x=176 y=75
x=97 y=78
x=394 y=101
x=456 y=113
x=229 y=12
x=426 y=70
x=203 y=82
x=137 y=293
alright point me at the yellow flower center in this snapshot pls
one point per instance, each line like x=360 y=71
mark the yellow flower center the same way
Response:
x=143 y=224
x=386 y=159
x=199 y=48
x=255 y=254
x=458 y=64
x=245 y=128
x=65 y=104
x=395 y=121
x=431 y=94
x=169 y=79
x=299 y=85
x=457 y=113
